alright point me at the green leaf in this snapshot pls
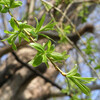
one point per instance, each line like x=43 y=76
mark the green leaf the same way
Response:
x=72 y=72
x=40 y=24
x=2 y=2
x=49 y=45
x=37 y=60
x=24 y=26
x=83 y=81
x=24 y=36
x=7 y=2
x=10 y=39
x=52 y=48
x=83 y=88
x=31 y=62
x=85 y=78
x=37 y=23
x=34 y=34
x=47 y=37
x=67 y=29
x=20 y=38
x=37 y=46
x=97 y=67
x=56 y=56
x=45 y=60
x=13 y=24
x=8 y=32
x=0 y=7
x=49 y=26
x=47 y=5
x=15 y=4
x=11 y=2
x=14 y=46
x=5 y=10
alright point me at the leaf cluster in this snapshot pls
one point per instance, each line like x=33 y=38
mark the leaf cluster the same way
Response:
x=83 y=13
x=46 y=52
x=23 y=31
x=5 y=5
x=66 y=30
x=79 y=81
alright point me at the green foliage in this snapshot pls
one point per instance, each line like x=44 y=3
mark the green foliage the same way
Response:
x=79 y=81
x=20 y=28
x=97 y=66
x=5 y=5
x=13 y=24
x=39 y=28
x=46 y=51
x=14 y=4
x=90 y=49
x=66 y=30
x=47 y=6
x=83 y=13
x=89 y=46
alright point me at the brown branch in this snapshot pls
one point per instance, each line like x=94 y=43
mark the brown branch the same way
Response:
x=8 y=48
x=94 y=87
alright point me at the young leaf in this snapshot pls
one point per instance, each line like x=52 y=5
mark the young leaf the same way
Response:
x=24 y=36
x=40 y=24
x=47 y=6
x=45 y=60
x=49 y=45
x=47 y=37
x=72 y=72
x=2 y=2
x=37 y=23
x=11 y=2
x=56 y=56
x=0 y=7
x=10 y=39
x=15 y=4
x=14 y=46
x=37 y=60
x=37 y=46
x=4 y=10
x=49 y=26
x=13 y=24
x=85 y=78
x=34 y=34
x=83 y=88
x=20 y=38
x=8 y=32
x=24 y=25
x=97 y=66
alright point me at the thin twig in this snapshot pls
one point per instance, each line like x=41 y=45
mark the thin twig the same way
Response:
x=76 y=47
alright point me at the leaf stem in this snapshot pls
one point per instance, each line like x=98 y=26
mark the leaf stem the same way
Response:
x=31 y=38
x=57 y=68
